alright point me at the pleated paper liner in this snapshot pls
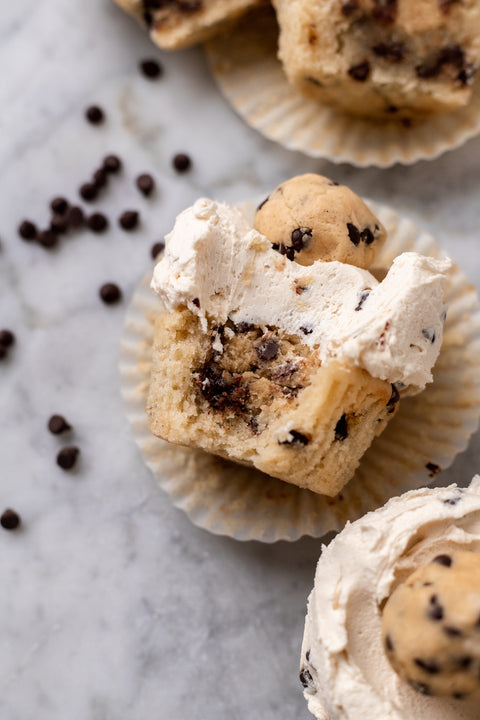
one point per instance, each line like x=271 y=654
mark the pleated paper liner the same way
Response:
x=245 y=65
x=424 y=437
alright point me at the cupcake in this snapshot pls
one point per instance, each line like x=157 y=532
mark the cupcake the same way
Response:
x=277 y=348
x=392 y=630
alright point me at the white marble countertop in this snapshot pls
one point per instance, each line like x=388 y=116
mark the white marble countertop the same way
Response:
x=112 y=604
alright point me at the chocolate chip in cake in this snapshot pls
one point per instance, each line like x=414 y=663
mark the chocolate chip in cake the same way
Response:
x=348 y=7
x=110 y=293
x=394 y=399
x=429 y=666
x=88 y=191
x=464 y=661
x=10 y=520
x=94 y=114
x=151 y=69
x=361 y=299
x=420 y=687
x=444 y=560
x=393 y=51
x=57 y=425
x=263 y=203
x=47 y=239
x=306 y=678
x=145 y=183
x=243 y=327
x=7 y=338
x=196 y=302
x=367 y=236
x=300 y=238
x=156 y=249
x=388 y=643
x=433 y=469
x=75 y=216
x=267 y=349
x=353 y=233
x=452 y=631
x=307 y=655
x=112 y=164
x=295 y=438
x=360 y=72
x=97 y=222
x=3 y=352
x=459 y=696
x=59 y=205
x=435 y=611
x=341 y=428
x=306 y=330
x=67 y=457
x=27 y=230
x=128 y=220
x=181 y=162
x=385 y=11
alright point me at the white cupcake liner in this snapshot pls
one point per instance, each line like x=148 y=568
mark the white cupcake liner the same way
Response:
x=425 y=435
x=248 y=73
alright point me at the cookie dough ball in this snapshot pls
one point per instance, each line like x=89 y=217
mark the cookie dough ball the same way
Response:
x=311 y=218
x=431 y=626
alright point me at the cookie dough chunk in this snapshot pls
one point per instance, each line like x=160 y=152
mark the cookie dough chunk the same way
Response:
x=261 y=397
x=382 y=58
x=431 y=626
x=311 y=218
x=175 y=24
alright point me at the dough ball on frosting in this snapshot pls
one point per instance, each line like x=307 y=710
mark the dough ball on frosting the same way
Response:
x=431 y=626
x=311 y=218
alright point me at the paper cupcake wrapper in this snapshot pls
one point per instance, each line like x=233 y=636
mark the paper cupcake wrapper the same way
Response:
x=425 y=435
x=246 y=68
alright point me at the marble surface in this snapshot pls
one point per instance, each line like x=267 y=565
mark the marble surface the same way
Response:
x=112 y=604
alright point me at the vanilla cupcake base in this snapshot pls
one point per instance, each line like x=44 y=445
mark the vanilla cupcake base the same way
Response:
x=427 y=433
x=245 y=65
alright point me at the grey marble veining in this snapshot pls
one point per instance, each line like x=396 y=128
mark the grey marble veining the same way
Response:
x=112 y=604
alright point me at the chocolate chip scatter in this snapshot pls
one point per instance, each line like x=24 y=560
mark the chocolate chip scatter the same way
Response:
x=67 y=457
x=267 y=349
x=97 y=223
x=57 y=425
x=59 y=205
x=156 y=249
x=295 y=438
x=151 y=69
x=75 y=216
x=341 y=429
x=444 y=560
x=145 y=183
x=27 y=230
x=306 y=677
x=429 y=666
x=433 y=469
x=110 y=293
x=390 y=51
x=360 y=72
x=59 y=224
x=112 y=164
x=361 y=299
x=181 y=162
x=7 y=338
x=128 y=220
x=99 y=178
x=353 y=233
x=94 y=115
x=47 y=239
x=88 y=191
x=10 y=520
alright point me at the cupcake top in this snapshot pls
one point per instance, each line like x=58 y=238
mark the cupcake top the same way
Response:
x=345 y=669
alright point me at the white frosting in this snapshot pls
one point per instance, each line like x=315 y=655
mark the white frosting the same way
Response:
x=213 y=256
x=351 y=676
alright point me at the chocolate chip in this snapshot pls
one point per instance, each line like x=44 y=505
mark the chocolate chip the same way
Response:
x=394 y=399
x=306 y=330
x=464 y=662
x=112 y=164
x=393 y=51
x=388 y=643
x=145 y=183
x=341 y=428
x=196 y=302
x=435 y=611
x=429 y=666
x=391 y=109
x=433 y=469
x=151 y=69
x=301 y=238
x=459 y=696
x=59 y=224
x=27 y=230
x=156 y=249
x=221 y=389
x=97 y=222
x=295 y=438
x=57 y=425
x=444 y=560
x=243 y=327
x=307 y=655
x=267 y=349
x=110 y=293
x=128 y=220
x=429 y=334
x=181 y=162
x=360 y=72
x=94 y=115
x=47 y=239
x=99 y=178
x=306 y=678
x=88 y=191
x=432 y=66
x=59 y=205
x=263 y=203
x=353 y=233
x=385 y=11
x=67 y=457
x=420 y=687
x=366 y=236
x=466 y=75
x=361 y=299
x=452 y=631
x=75 y=216
x=349 y=7
x=445 y=5
x=7 y=338
x=10 y=520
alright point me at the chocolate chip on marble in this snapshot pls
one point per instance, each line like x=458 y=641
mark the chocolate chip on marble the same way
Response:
x=151 y=69
x=88 y=191
x=353 y=233
x=110 y=293
x=75 y=216
x=112 y=164
x=429 y=334
x=47 y=239
x=128 y=220
x=97 y=222
x=156 y=249
x=433 y=469
x=429 y=666
x=59 y=205
x=67 y=457
x=267 y=349
x=393 y=51
x=57 y=425
x=181 y=162
x=306 y=677
x=263 y=203
x=27 y=230
x=9 y=519
x=7 y=338
x=361 y=299
x=145 y=183
x=341 y=428
x=295 y=438
x=360 y=72
x=444 y=560
x=94 y=114
x=301 y=238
